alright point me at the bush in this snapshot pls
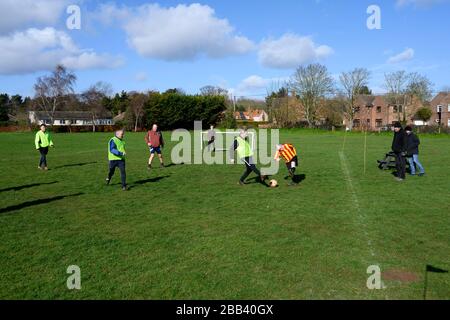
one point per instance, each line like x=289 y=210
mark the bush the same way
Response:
x=172 y=110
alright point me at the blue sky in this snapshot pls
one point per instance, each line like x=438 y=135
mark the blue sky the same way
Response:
x=244 y=46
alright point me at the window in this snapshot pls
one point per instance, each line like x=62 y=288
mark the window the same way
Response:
x=357 y=109
x=448 y=107
x=439 y=109
x=379 y=123
x=400 y=108
x=378 y=109
x=448 y=122
x=356 y=123
x=395 y=109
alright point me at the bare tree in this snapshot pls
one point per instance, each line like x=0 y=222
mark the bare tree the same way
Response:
x=352 y=83
x=51 y=90
x=137 y=104
x=403 y=88
x=93 y=97
x=312 y=84
x=419 y=86
x=213 y=91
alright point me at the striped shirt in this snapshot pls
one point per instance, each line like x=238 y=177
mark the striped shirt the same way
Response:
x=288 y=152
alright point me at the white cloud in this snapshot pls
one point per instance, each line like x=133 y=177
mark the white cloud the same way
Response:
x=253 y=82
x=419 y=3
x=41 y=49
x=141 y=77
x=25 y=13
x=184 y=32
x=291 y=51
x=406 y=55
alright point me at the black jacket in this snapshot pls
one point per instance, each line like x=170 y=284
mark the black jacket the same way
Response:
x=399 y=142
x=412 y=144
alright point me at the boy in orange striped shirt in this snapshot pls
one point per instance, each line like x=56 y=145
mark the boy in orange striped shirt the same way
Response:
x=289 y=154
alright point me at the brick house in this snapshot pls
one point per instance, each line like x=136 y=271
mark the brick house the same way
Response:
x=441 y=103
x=253 y=116
x=376 y=113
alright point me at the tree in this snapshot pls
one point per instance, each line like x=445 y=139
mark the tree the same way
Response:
x=137 y=104
x=419 y=86
x=93 y=100
x=213 y=91
x=424 y=114
x=365 y=91
x=4 y=107
x=51 y=90
x=353 y=84
x=403 y=88
x=312 y=84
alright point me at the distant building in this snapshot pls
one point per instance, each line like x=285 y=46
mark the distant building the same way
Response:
x=70 y=118
x=252 y=116
x=377 y=113
x=441 y=103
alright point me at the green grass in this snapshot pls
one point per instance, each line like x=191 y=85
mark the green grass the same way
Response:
x=189 y=232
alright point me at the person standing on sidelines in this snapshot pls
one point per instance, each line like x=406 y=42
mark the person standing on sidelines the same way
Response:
x=155 y=142
x=399 y=149
x=288 y=152
x=43 y=141
x=116 y=157
x=211 y=139
x=245 y=153
x=412 y=146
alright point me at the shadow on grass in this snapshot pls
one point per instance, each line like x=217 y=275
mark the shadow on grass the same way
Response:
x=174 y=165
x=75 y=165
x=145 y=181
x=27 y=186
x=36 y=203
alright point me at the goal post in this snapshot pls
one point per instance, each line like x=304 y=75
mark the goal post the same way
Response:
x=224 y=140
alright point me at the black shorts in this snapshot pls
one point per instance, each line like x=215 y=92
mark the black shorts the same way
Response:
x=293 y=163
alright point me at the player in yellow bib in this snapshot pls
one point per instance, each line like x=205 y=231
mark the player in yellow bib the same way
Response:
x=245 y=153
x=116 y=157
x=43 y=141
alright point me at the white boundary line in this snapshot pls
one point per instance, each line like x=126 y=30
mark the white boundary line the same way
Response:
x=351 y=187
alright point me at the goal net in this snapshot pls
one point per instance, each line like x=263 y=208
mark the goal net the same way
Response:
x=224 y=140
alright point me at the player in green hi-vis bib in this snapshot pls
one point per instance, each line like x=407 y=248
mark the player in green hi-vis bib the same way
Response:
x=43 y=141
x=116 y=157
x=245 y=153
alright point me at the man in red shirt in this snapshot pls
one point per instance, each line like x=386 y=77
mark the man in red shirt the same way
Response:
x=155 y=142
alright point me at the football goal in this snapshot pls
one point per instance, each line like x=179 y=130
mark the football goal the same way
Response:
x=224 y=140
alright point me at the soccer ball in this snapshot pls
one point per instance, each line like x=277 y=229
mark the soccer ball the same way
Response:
x=273 y=183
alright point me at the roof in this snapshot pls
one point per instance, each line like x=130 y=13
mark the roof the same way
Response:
x=72 y=115
x=441 y=99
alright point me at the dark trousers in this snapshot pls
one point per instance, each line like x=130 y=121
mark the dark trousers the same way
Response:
x=43 y=160
x=121 y=165
x=212 y=143
x=249 y=168
x=400 y=163
x=292 y=166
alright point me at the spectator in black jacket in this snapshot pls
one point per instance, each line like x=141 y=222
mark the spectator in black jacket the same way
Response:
x=399 y=148
x=412 y=148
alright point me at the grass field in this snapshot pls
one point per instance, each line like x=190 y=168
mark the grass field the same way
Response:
x=189 y=232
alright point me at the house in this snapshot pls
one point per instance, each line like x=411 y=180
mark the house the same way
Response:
x=252 y=116
x=71 y=118
x=377 y=113
x=441 y=104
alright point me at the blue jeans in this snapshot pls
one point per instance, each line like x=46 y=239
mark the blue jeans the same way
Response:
x=413 y=161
